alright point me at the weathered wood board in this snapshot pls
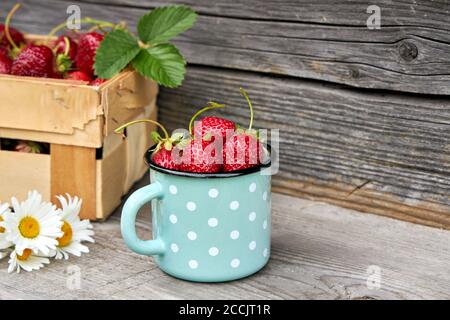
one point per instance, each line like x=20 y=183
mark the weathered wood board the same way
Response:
x=319 y=251
x=320 y=40
x=363 y=150
x=363 y=114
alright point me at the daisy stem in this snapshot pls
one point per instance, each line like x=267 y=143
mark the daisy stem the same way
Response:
x=121 y=128
x=7 y=23
x=245 y=94
x=211 y=105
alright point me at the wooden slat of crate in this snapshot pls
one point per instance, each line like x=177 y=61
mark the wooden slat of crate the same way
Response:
x=91 y=136
x=34 y=100
x=138 y=140
x=111 y=176
x=19 y=169
x=81 y=115
x=73 y=171
x=125 y=99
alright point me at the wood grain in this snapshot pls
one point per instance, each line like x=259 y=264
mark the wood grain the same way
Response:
x=324 y=41
x=372 y=150
x=380 y=143
x=73 y=171
x=319 y=251
x=23 y=172
x=337 y=12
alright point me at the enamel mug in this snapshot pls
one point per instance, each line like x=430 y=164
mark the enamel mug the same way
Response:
x=206 y=227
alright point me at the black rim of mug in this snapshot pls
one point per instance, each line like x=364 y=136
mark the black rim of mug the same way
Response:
x=152 y=165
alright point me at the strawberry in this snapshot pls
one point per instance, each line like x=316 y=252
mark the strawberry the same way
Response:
x=78 y=75
x=163 y=158
x=60 y=47
x=66 y=51
x=16 y=36
x=4 y=51
x=200 y=158
x=5 y=63
x=87 y=47
x=34 y=61
x=243 y=149
x=97 y=82
x=213 y=126
x=163 y=152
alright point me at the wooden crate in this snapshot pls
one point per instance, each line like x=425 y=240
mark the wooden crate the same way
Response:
x=78 y=121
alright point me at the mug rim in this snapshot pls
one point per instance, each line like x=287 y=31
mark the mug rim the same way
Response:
x=237 y=173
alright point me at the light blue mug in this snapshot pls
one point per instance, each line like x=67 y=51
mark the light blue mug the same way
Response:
x=206 y=227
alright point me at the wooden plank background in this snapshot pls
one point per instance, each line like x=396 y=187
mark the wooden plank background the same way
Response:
x=364 y=115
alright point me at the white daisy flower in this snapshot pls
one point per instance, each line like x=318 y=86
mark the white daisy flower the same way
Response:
x=26 y=261
x=34 y=225
x=74 y=229
x=4 y=210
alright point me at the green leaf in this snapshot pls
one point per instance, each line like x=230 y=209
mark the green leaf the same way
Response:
x=162 y=63
x=116 y=51
x=164 y=23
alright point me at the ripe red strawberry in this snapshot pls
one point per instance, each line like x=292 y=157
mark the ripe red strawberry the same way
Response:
x=213 y=126
x=242 y=151
x=4 y=51
x=16 y=36
x=78 y=75
x=97 y=82
x=87 y=47
x=60 y=45
x=5 y=63
x=163 y=158
x=200 y=158
x=34 y=61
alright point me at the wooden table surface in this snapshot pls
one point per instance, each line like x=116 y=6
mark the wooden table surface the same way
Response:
x=319 y=251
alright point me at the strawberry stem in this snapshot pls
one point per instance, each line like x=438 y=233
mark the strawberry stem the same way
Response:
x=67 y=42
x=7 y=23
x=87 y=20
x=211 y=105
x=121 y=128
x=245 y=94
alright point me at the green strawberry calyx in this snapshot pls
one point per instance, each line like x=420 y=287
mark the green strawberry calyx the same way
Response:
x=167 y=142
x=63 y=61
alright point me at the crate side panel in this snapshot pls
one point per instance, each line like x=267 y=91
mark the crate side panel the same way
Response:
x=111 y=175
x=91 y=136
x=138 y=141
x=23 y=172
x=125 y=98
x=26 y=104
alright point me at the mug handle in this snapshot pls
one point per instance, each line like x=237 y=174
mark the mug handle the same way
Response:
x=128 y=221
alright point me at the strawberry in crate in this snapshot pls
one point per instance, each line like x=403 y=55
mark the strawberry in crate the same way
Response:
x=103 y=51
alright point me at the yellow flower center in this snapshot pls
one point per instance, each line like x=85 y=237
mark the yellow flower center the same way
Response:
x=29 y=227
x=67 y=236
x=25 y=255
x=2 y=230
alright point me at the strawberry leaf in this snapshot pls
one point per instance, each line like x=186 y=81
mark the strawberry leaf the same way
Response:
x=162 y=63
x=116 y=51
x=162 y=24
